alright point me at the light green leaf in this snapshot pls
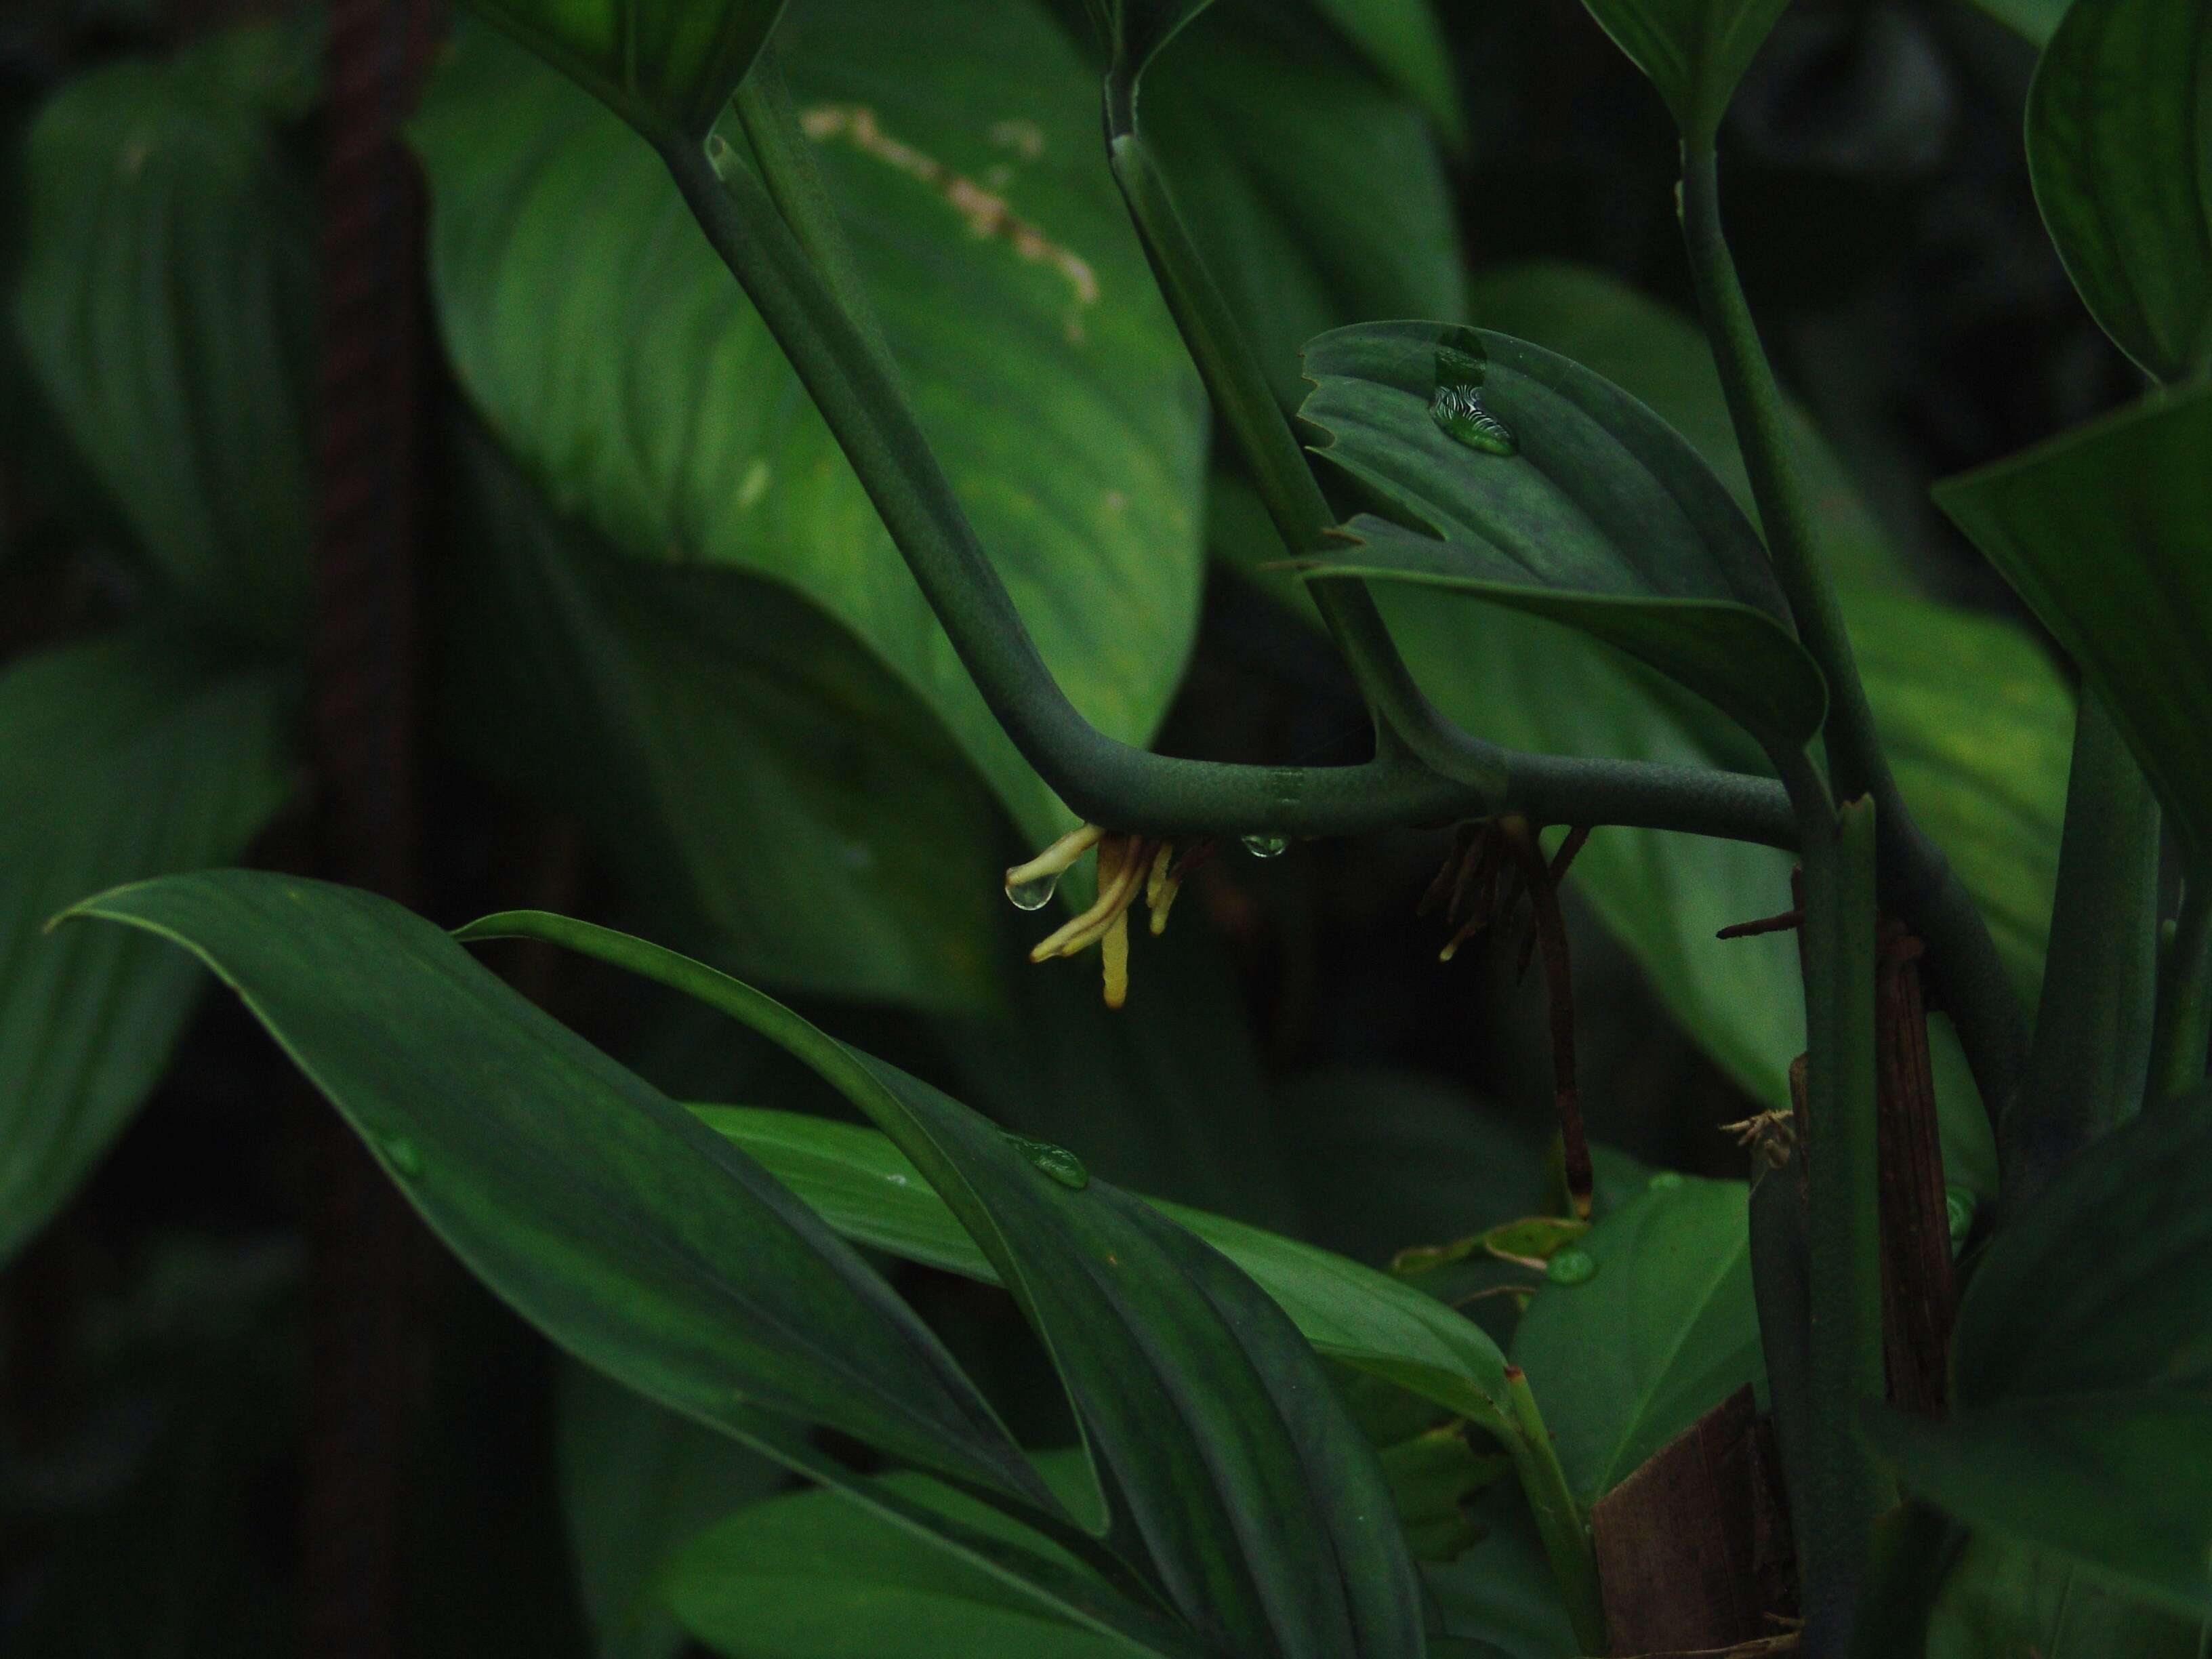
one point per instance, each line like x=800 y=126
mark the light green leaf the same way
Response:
x=2120 y=146
x=1660 y=1334
x=1236 y=1469
x=630 y=376
x=861 y=1184
x=167 y=289
x=1599 y=515
x=667 y=67
x=1694 y=51
x=2107 y=533
x=125 y=757
x=633 y=1235
x=737 y=754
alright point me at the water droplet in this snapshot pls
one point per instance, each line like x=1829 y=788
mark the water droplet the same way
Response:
x=1959 y=1208
x=1267 y=847
x=1665 y=1181
x=1457 y=406
x=1057 y=1162
x=401 y=1154
x=1571 y=1268
x=1032 y=895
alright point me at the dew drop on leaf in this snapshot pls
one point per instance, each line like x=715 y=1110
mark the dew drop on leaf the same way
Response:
x=1571 y=1268
x=1457 y=406
x=1057 y=1162
x=1032 y=895
x=1267 y=847
x=401 y=1154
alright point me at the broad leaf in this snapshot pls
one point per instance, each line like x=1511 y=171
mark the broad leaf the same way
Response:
x=748 y=766
x=1662 y=1331
x=632 y=1235
x=667 y=67
x=1314 y=197
x=811 y=1577
x=629 y=375
x=1596 y=514
x=2081 y=1368
x=1694 y=51
x=1236 y=1470
x=861 y=1184
x=2106 y=531
x=167 y=289
x=2033 y=21
x=2119 y=145
x=2001 y=1600
x=1403 y=38
x=126 y=758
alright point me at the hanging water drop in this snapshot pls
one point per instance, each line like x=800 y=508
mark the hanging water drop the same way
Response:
x=1267 y=847
x=1057 y=1162
x=1033 y=893
x=1457 y=406
x=401 y=1154
x=1571 y=1268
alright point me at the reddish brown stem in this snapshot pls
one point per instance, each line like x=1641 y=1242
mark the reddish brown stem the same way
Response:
x=1559 y=1001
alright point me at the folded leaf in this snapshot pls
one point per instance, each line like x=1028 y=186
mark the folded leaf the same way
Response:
x=1694 y=51
x=1236 y=1471
x=125 y=757
x=2107 y=533
x=2120 y=146
x=630 y=1233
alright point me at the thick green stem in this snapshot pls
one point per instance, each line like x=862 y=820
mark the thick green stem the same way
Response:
x=2093 y=1028
x=1969 y=979
x=2179 y=1047
x=1560 y=1522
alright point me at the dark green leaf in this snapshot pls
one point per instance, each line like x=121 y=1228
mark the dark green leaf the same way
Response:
x=2033 y=21
x=127 y=757
x=861 y=1184
x=813 y=1577
x=1135 y=31
x=637 y=1481
x=2119 y=145
x=667 y=67
x=1694 y=51
x=632 y=1235
x=1236 y=1469
x=1660 y=1334
x=2002 y=1600
x=2106 y=531
x=627 y=373
x=167 y=289
x=736 y=753
x=1600 y=516
x=1403 y=38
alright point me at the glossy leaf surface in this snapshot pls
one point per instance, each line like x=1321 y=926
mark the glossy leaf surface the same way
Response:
x=1603 y=518
x=125 y=757
x=2107 y=533
x=665 y=66
x=1236 y=1469
x=2119 y=145
x=630 y=1233
x=629 y=375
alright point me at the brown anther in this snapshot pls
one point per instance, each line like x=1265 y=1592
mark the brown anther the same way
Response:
x=1786 y=922
x=1771 y=1136
x=1559 y=999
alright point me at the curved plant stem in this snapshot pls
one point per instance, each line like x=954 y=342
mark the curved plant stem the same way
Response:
x=1560 y=1522
x=2184 y=995
x=1916 y=879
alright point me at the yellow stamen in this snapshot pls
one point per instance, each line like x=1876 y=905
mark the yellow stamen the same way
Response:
x=1056 y=858
x=1114 y=954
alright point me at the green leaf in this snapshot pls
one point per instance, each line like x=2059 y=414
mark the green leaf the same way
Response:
x=1660 y=1334
x=1135 y=31
x=1236 y=1469
x=667 y=67
x=631 y=1234
x=1315 y=197
x=858 y=1181
x=1602 y=516
x=811 y=1577
x=2081 y=1368
x=1403 y=38
x=125 y=757
x=732 y=748
x=2107 y=533
x=2002 y=1600
x=636 y=1481
x=629 y=375
x=2119 y=147
x=1694 y=51
x=168 y=288
x=2033 y=21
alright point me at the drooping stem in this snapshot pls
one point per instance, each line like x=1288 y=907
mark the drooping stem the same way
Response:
x=1916 y=879
x=1550 y=939
x=2184 y=994
x=1560 y=1522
